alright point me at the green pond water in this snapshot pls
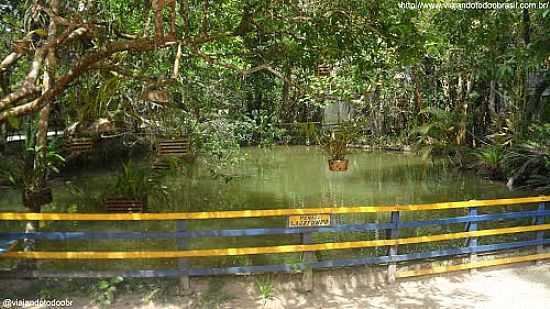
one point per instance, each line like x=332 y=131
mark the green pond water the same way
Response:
x=267 y=178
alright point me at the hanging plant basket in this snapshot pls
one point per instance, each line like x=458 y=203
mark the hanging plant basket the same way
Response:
x=338 y=165
x=169 y=152
x=80 y=145
x=124 y=205
x=159 y=164
x=167 y=149
x=156 y=96
x=37 y=198
x=173 y=147
x=324 y=70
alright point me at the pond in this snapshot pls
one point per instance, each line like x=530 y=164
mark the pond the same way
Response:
x=293 y=177
x=267 y=178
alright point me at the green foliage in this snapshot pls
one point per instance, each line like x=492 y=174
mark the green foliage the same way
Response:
x=218 y=140
x=53 y=158
x=50 y=161
x=491 y=158
x=440 y=128
x=529 y=162
x=135 y=182
x=444 y=78
x=177 y=164
x=104 y=291
x=264 y=130
x=539 y=136
x=308 y=130
x=438 y=136
x=10 y=172
x=264 y=285
x=335 y=142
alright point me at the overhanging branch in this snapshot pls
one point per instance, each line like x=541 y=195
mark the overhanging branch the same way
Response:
x=28 y=87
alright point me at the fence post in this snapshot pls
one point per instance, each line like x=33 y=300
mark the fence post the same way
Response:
x=183 y=264
x=309 y=257
x=392 y=251
x=472 y=241
x=539 y=219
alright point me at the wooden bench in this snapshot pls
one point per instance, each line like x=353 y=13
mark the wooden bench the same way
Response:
x=124 y=205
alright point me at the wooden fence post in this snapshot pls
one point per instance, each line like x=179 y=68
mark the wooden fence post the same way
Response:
x=183 y=264
x=472 y=241
x=539 y=219
x=309 y=257
x=392 y=251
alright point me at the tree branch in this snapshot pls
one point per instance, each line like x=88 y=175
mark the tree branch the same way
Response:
x=176 y=71
x=9 y=61
x=28 y=87
x=85 y=64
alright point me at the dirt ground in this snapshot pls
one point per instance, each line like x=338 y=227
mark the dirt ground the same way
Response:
x=522 y=286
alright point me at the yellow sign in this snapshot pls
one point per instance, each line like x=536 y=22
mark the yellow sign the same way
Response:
x=309 y=220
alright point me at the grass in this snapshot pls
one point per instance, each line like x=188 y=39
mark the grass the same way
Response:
x=214 y=296
x=264 y=285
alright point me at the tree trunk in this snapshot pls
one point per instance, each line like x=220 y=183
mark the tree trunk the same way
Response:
x=526 y=27
x=172 y=12
x=417 y=92
x=285 y=94
x=3 y=137
x=462 y=108
x=158 y=5
x=38 y=180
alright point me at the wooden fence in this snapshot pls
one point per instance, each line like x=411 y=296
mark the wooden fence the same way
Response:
x=476 y=211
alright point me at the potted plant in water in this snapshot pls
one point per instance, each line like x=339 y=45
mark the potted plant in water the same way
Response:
x=335 y=142
x=132 y=187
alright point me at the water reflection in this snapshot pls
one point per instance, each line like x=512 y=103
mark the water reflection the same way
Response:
x=291 y=177
x=294 y=177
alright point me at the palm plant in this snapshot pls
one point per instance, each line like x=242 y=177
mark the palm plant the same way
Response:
x=441 y=128
x=440 y=135
x=491 y=158
x=134 y=182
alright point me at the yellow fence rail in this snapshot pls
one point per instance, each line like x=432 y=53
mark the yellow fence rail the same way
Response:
x=19 y=216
